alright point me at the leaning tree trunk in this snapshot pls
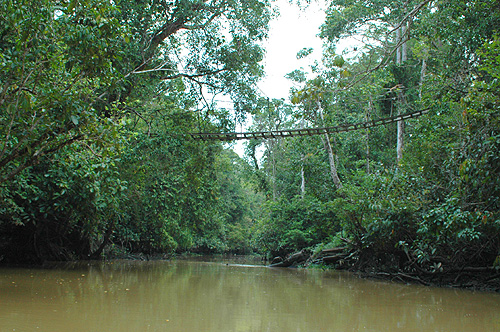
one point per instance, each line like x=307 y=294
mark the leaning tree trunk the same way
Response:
x=331 y=156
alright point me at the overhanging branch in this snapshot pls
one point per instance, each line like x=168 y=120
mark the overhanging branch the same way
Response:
x=194 y=76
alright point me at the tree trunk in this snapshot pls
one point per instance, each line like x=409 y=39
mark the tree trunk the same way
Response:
x=422 y=77
x=329 y=151
x=398 y=50
x=303 y=180
x=107 y=236
x=400 y=139
x=404 y=46
x=274 y=169
x=292 y=260
x=401 y=57
x=367 y=135
x=331 y=159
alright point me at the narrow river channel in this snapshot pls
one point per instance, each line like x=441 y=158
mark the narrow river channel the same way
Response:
x=190 y=296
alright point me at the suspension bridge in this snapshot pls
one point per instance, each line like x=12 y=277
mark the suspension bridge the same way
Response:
x=305 y=131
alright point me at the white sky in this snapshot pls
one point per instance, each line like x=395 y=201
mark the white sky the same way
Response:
x=293 y=30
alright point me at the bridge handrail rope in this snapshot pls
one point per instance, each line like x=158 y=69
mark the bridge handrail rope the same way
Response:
x=305 y=131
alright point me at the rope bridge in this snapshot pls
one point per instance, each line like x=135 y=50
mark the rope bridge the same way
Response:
x=305 y=131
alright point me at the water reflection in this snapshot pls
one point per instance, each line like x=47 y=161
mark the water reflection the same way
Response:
x=210 y=296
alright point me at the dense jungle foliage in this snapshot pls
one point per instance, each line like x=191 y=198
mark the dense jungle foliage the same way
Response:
x=97 y=97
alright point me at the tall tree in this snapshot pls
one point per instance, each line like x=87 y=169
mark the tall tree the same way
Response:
x=380 y=23
x=311 y=96
x=55 y=55
x=209 y=47
x=97 y=80
x=71 y=69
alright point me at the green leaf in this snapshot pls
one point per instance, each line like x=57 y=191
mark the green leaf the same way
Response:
x=72 y=5
x=74 y=119
x=304 y=52
x=338 y=61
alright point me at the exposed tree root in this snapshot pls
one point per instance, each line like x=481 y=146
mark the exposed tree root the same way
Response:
x=371 y=266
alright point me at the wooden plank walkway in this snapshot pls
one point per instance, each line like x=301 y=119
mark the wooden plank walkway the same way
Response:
x=304 y=131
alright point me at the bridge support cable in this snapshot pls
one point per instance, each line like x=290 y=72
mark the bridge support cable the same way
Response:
x=304 y=131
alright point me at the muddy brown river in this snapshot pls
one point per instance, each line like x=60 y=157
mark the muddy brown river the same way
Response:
x=193 y=296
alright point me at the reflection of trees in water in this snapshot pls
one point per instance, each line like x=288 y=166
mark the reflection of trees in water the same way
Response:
x=194 y=296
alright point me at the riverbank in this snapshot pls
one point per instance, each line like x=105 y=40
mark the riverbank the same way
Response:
x=390 y=267
x=486 y=279
x=468 y=278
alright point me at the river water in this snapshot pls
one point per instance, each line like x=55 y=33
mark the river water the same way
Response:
x=190 y=296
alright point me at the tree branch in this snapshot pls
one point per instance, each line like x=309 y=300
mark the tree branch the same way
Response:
x=34 y=158
x=194 y=76
x=410 y=14
x=166 y=31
